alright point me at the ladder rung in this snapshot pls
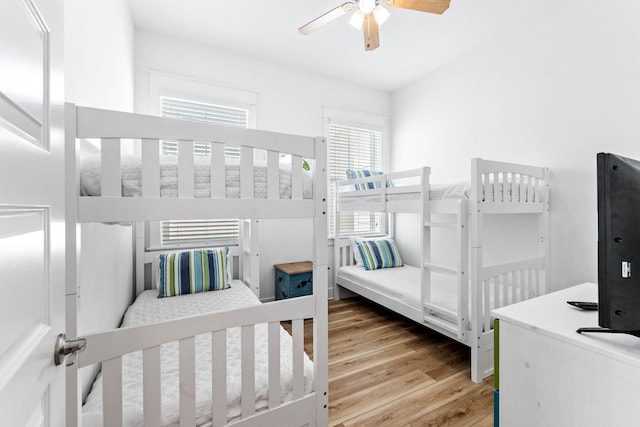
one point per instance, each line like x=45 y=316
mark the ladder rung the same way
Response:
x=441 y=268
x=448 y=314
x=443 y=323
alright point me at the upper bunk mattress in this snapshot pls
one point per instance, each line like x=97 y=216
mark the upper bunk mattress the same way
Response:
x=454 y=189
x=148 y=308
x=131 y=168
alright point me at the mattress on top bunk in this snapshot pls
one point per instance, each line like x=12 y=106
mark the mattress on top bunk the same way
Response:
x=131 y=169
x=148 y=308
x=455 y=189
x=403 y=284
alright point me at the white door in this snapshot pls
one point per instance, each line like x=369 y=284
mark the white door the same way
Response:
x=32 y=230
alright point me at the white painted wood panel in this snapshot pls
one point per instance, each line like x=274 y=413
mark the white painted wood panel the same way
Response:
x=273 y=175
x=246 y=173
x=94 y=122
x=550 y=375
x=150 y=168
x=274 y=368
x=248 y=371
x=219 y=377
x=32 y=212
x=111 y=169
x=187 y=382
x=151 y=385
x=112 y=393
x=186 y=177
x=218 y=175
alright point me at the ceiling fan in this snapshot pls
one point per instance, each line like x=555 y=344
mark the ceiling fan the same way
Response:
x=370 y=14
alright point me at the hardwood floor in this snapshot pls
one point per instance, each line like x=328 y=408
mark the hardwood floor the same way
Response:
x=385 y=370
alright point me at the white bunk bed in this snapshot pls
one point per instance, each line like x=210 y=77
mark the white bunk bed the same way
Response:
x=459 y=305
x=286 y=388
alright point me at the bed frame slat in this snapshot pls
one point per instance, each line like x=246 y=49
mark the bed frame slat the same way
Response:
x=218 y=170
x=246 y=173
x=219 y=377
x=111 y=167
x=186 y=175
x=273 y=175
x=248 y=368
x=297 y=333
x=151 y=386
x=112 y=393
x=187 y=382
x=296 y=177
x=150 y=168
x=274 y=364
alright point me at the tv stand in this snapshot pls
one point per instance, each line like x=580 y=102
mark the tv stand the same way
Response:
x=608 y=331
x=551 y=376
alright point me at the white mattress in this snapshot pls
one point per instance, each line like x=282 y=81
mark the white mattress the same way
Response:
x=456 y=189
x=403 y=284
x=90 y=178
x=149 y=309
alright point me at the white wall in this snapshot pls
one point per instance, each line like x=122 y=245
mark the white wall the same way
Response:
x=288 y=100
x=99 y=73
x=553 y=93
x=99 y=53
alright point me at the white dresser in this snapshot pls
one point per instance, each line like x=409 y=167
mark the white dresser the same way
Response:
x=549 y=375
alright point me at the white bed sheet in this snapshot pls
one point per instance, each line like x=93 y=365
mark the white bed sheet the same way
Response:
x=403 y=284
x=91 y=177
x=456 y=189
x=149 y=309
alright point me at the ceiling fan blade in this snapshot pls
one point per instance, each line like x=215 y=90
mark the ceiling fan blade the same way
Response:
x=431 y=6
x=322 y=20
x=371 y=35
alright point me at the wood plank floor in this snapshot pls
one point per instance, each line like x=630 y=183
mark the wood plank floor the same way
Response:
x=385 y=370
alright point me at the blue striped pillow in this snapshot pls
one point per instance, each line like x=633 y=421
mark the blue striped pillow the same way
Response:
x=382 y=253
x=190 y=272
x=363 y=173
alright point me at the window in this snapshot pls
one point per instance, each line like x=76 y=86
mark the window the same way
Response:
x=353 y=146
x=202 y=112
x=200 y=232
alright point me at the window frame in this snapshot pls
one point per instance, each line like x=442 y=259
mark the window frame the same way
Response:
x=197 y=91
x=360 y=120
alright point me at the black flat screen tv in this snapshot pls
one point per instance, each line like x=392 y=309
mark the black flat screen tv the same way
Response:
x=618 y=243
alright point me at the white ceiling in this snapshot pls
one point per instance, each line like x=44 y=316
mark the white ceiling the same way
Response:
x=411 y=43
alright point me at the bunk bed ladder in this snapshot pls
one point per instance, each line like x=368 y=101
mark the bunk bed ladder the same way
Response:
x=457 y=321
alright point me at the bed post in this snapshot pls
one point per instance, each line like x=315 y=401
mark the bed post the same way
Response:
x=425 y=240
x=72 y=259
x=337 y=262
x=476 y=267
x=544 y=232
x=138 y=256
x=320 y=288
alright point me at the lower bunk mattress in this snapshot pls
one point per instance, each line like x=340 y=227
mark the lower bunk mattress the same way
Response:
x=403 y=285
x=148 y=308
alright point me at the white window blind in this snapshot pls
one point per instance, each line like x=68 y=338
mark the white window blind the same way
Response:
x=202 y=112
x=356 y=148
x=201 y=232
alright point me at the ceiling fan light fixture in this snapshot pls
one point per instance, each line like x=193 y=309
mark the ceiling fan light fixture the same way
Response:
x=367 y=6
x=357 y=19
x=381 y=14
